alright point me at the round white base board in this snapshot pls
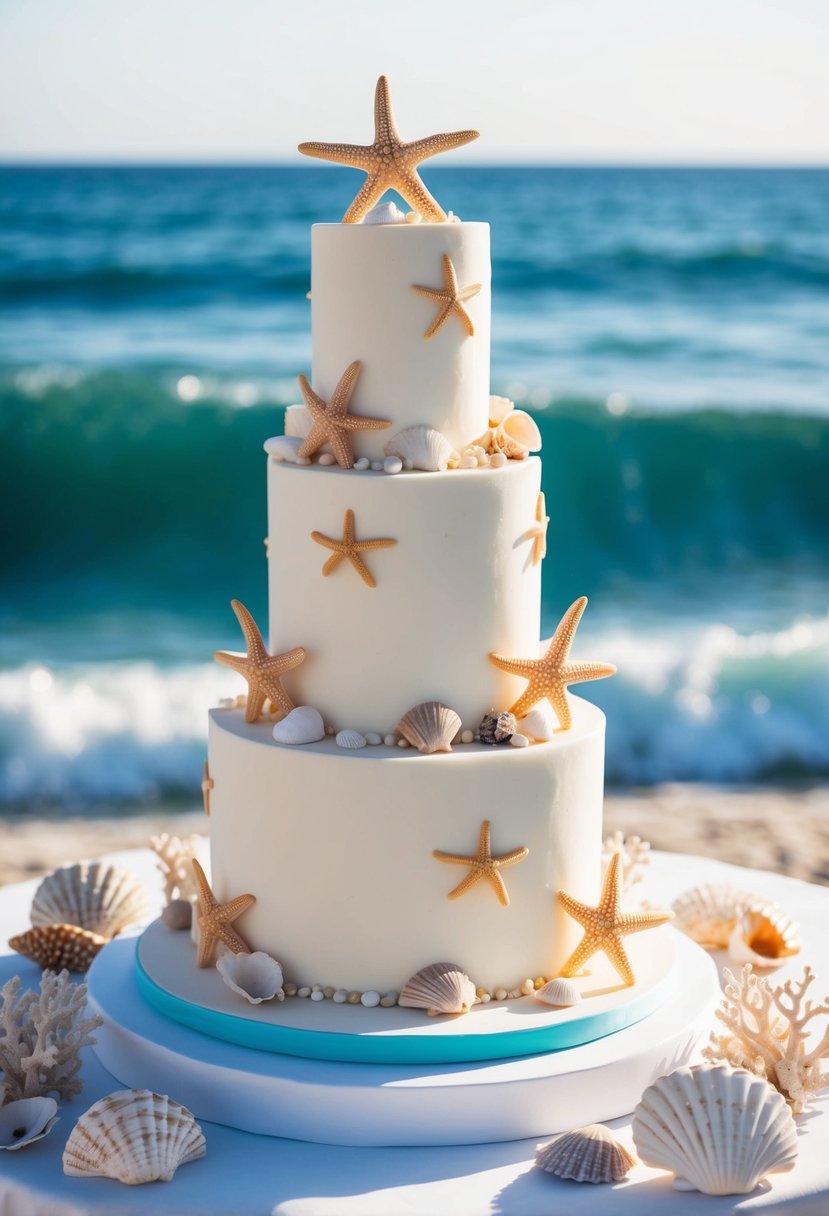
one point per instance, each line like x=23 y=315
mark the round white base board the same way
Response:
x=333 y=1102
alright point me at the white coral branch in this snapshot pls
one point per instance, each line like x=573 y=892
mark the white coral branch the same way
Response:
x=635 y=854
x=174 y=862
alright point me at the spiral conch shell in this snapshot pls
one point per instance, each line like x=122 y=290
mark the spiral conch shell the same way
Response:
x=764 y=937
x=421 y=447
x=430 y=727
x=439 y=988
x=719 y=1129
x=134 y=1136
x=587 y=1154
x=92 y=895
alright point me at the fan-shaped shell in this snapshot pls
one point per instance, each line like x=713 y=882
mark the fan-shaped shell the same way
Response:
x=93 y=895
x=59 y=946
x=438 y=988
x=708 y=914
x=516 y=436
x=559 y=991
x=350 y=739
x=499 y=407
x=26 y=1120
x=764 y=937
x=587 y=1154
x=421 y=447
x=133 y=1136
x=719 y=1129
x=302 y=725
x=430 y=727
x=257 y=977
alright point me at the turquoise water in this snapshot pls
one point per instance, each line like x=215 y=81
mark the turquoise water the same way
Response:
x=668 y=328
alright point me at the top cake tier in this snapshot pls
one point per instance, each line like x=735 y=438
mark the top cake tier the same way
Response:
x=363 y=307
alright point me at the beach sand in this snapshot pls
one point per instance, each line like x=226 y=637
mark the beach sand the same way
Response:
x=782 y=829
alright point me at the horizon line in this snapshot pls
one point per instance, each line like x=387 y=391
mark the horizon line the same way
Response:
x=115 y=162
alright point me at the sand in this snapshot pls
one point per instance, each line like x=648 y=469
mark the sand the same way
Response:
x=781 y=829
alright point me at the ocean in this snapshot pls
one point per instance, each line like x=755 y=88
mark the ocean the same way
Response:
x=668 y=328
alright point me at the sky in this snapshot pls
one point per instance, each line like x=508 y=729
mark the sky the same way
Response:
x=556 y=81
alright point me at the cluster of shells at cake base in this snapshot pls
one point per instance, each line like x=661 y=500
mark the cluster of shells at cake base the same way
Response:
x=753 y=929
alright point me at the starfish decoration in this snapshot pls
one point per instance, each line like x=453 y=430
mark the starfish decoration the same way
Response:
x=207 y=784
x=450 y=300
x=262 y=671
x=483 y=865
x=331 y=421
x=606 y=925
x=351 y=548
x=216 y=920
x=549 y=676
x=389 y=163
x=538 y=532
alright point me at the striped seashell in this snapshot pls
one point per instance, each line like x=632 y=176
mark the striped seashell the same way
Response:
x=59 y=946
x=438 y=988
x=257 y=977
x=719 y=1129
x=134 y=1136
x=351 y=739
x=764 y=937
x=587 y=1154
x=516 y=436
x=421 y=447
x=92 y=895
x=430 y=727
x=708 y=914
x=560 y=991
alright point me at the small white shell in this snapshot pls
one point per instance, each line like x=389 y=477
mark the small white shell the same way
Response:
x=283 y=448
x=539 y=724
x=560 y=991
x=708 y=914
x=302 y=725
x=26 y=1120
x=438 y=988
x=764 y=937
x=516 y=436
x=392 y=464
x=257 y=977
x=385 y=213
x=719 y=1129
x=519 y=740
x=373 y=739
x=499 y=407
x=430 y=727
x=134 y=1136
x=425 y=447
x=350 y=739
x=91 y=895
x=587 y=1154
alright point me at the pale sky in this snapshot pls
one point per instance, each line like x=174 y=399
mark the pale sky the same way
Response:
x=601 y=81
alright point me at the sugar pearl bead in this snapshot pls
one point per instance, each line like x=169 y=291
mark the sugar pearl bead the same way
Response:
x=303 y=991
x=340 y=996
x=353 y=998
x=480 y=991
x=303 y=460
x=519 y=740
x=362 y=464
x=390 y=740
x=318 y=995
x=389 y=1000
x=467 y=462
x=326 y=458
x=289 y=989
x=500 y=994
x=403 y=743
x=328 y=993
x=392 y=464
x=467 y=736
x=408 y=464
x=527 y=986
x=377 y=466
x=485 y=998
x=497 y=460
x=370 y=999
x=372 y=738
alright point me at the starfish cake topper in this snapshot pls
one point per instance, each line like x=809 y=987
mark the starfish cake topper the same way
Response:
x=351 y=548
x=216 y=920
x=606 y=924
x=263 y=671
x=390 y=163
x=332 y=423
x=550 y=675
x=483 y=865
x=450 y=300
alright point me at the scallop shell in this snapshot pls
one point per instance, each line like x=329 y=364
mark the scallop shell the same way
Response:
x=284 y=448
x=764 y=937
x=499 y=407
x=438 y=988
x=257 y=977
x=134 y=1136
x=59 y=946
x=350 y=739
x=516 y=436
x=26 y=1120
x=430 y=727
x=559 y=991
x=302 y=725
x=539 y=724
x=720 y=1129
x=92 y=895
x=708 y=914
x=421 y=447
x=587 y=1154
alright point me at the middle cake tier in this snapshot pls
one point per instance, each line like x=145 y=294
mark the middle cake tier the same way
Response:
x=459 y=582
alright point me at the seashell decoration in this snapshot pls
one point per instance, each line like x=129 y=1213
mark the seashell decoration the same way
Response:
x=26 y=1120
x=134 y=1136
x=257 y=977
x=438 y=988
x=499 y=407
x=497 y=728
x=539 y=724
x=59 y=947
x=284 y=449
x=430 y=727
x=302 y=725
x=350 y=739
x=764 y=937
x=93 y=895
x=719 y=1129
x=421 y=447
x=385 y=213
x=516 y=436
x=560 y=991
x=587 y=1154
x=708 y=914
x=178 y=915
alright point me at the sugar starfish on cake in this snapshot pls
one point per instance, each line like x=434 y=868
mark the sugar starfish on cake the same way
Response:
x=483 y=865
x=348 y=547
x=550 y=676
x=537 y=533
x=389 y=163
x=263 y=671
x=216 y=920
x=606 y=924
x=331 y=421
x=450 y=300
